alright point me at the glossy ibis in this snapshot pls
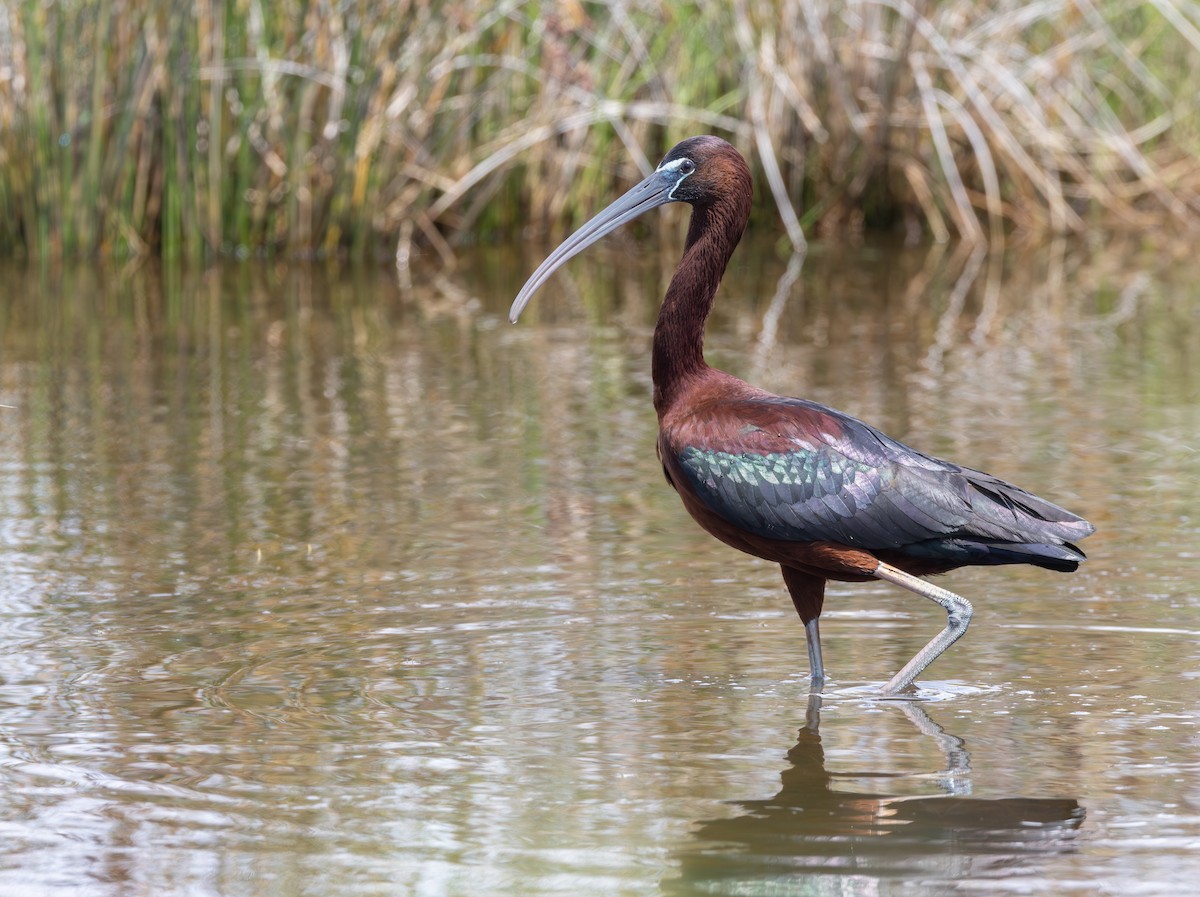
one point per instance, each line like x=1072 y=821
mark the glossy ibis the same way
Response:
x=816 y=491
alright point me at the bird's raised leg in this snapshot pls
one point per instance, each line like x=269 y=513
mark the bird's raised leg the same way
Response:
x=808 y=595
x=958 y=616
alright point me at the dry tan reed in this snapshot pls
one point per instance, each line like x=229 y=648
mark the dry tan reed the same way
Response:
x=351 y=128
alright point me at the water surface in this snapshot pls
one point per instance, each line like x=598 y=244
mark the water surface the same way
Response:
x=327 y=583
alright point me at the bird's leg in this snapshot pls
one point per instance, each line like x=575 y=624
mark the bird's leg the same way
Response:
x=958 y=615
x=808 y=595
x=812 y=634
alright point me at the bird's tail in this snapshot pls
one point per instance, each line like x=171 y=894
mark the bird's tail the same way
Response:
x=1063 y=557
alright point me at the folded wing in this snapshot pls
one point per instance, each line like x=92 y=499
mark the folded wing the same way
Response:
x=792 y=470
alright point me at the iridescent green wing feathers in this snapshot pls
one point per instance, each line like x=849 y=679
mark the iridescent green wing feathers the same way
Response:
x=817 y=494
x=796 y=471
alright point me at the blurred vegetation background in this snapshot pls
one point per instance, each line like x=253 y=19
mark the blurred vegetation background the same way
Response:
x=359 y=128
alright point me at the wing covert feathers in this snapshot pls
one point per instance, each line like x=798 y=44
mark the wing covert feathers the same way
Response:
x=796 y=471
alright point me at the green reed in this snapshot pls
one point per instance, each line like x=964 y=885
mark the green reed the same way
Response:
x=321 y=128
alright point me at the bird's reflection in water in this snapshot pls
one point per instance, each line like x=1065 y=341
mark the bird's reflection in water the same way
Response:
x=815 y=837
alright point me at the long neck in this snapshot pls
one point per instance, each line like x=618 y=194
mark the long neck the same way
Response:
x=679 y=334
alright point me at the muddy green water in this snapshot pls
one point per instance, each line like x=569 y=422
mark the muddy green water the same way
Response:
x=332 y=584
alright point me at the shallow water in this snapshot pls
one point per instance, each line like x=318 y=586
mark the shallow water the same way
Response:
x=316 y=583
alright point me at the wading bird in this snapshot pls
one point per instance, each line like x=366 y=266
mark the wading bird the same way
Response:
x=816 y=491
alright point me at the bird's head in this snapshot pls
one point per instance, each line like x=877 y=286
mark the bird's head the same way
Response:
x=699 y=171
x=708 y=168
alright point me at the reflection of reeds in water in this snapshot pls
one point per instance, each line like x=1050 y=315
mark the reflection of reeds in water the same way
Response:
x=336 y=128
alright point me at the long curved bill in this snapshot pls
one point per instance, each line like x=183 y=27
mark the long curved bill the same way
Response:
x=652 y=192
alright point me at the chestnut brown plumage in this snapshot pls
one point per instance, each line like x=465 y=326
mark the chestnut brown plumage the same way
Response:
x=816 y=491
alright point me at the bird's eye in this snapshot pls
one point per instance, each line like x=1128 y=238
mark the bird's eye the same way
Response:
x=687 y=166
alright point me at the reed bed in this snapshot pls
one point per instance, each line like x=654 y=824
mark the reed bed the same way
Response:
x=352 y=128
